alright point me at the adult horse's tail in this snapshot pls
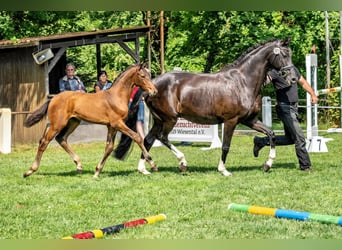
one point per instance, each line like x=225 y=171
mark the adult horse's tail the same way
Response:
x=125 y=141
x=37 y=115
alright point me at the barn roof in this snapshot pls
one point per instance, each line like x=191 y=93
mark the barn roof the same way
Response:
x=71 y=39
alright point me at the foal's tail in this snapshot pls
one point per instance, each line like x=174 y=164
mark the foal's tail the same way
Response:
x=37 y=115
x=125 y=142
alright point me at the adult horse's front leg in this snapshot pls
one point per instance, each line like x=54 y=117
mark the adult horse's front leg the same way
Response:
x=229 y=127
x=108 y=150
x=148 y=143
x=122 y=127
x=262 y=128
x=161 y=131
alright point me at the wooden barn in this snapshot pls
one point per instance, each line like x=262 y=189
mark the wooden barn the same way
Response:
x=26 y=83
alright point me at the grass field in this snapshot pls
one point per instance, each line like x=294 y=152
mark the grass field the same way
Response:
x=56 y=201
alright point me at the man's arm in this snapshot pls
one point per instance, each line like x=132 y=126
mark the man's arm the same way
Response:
x=306 y=86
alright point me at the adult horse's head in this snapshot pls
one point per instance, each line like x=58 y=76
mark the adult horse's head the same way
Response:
x=143 y=79
x=281 y=60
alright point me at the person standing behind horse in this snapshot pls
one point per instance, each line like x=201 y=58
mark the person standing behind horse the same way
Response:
x=103 y=83
x=141 y=111
x=287 y=111
x=71 y=82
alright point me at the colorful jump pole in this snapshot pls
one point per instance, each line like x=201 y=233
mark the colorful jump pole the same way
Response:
x=98 y=233
x=288 y=214
x=327 y=91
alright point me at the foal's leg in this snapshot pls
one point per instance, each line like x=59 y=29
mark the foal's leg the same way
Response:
x=62 y=137
x=49 y=134
x=229 y=127
x=262 y=128
x=108 y=150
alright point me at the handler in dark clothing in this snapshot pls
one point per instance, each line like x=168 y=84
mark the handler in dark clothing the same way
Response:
x=287 y=111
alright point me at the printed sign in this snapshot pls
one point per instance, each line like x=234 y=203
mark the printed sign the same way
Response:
x=185 y=130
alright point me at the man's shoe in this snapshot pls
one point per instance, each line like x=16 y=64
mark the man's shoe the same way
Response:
x=257 y=146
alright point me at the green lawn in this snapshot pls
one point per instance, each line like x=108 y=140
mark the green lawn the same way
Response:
x=56 y=201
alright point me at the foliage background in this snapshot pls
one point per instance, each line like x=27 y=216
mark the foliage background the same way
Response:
x=197 y=41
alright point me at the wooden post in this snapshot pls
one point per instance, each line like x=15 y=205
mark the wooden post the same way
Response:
x=148 y=22
x=162 y=42
x=98 y=58
x=5 y=130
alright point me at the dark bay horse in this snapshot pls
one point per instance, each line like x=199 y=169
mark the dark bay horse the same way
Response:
x=108 y=107
x=230 y=96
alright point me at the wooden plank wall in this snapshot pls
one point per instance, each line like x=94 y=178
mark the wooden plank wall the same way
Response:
x=22 y=89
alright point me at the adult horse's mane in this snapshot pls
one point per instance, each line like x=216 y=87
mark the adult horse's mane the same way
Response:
x=243 y=55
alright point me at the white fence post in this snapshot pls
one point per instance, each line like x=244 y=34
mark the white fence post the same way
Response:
x=267 y=111
x=314 y=143
x=5 y=130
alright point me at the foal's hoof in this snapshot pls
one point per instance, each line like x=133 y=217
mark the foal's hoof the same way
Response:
x=154 y=169
x=27 y=173
x=267 y=167
x=79 y=171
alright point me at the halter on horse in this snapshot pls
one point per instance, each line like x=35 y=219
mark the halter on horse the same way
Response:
x=230 y=96
x=108 y=107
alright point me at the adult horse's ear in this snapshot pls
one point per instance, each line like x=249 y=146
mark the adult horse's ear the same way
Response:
x=287 y=41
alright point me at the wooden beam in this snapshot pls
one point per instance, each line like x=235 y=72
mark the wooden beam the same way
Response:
x=90 y=41
x=56 y=58
x=129 y=51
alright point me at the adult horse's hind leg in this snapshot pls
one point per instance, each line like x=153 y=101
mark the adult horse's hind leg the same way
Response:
x=108 y=150
x=48 y=135
x=62 y=138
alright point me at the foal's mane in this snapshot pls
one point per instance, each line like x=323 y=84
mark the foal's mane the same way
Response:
x=122 y=73
x=242 y=56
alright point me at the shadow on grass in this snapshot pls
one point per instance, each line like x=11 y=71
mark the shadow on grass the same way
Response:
x=73 y=173
x=169 y=169
x=275 y=166
x=206 y=169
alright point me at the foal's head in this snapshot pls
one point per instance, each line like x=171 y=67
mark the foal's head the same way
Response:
x=281 y=60
x=142 y=79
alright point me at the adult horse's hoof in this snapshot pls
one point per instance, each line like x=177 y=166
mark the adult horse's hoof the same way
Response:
x=267 y=167
x=183 y=168
x=154 y=169
x=144 y=172
x=226 y=173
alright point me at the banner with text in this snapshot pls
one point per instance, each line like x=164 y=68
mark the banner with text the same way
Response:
x=185 y=130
